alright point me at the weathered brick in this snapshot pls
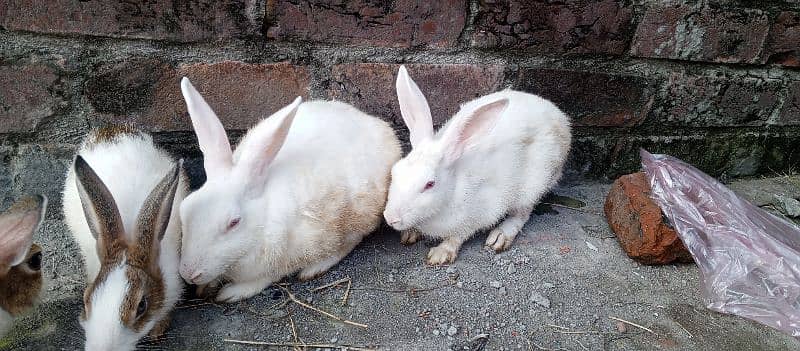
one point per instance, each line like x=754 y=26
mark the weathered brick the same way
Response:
x=40 y=169
x=701 y=34
x=640 y=225
x=783 y=43
x=400 y=23
x=734 y=154
x=790 y=113
x=191 y=20
x=702 y=101
x=592 y=98
x=576 y=27
x=27 y=95
x=147 y=92
x=371 y=87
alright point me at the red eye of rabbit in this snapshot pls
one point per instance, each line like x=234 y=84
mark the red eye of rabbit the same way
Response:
x=234 y=222
x=429 y=185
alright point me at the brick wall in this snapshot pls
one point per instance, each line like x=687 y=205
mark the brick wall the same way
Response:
x=714 y=82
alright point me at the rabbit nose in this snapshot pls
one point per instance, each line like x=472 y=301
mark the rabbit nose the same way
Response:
x=391 y=218
x=190 y=273
x=196 y=275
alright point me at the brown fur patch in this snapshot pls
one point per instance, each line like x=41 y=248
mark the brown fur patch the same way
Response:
x=20 y=285
x=109 y=134
x=347 y=213
x=142 y=285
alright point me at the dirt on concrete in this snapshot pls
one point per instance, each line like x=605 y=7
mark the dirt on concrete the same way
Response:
x=563 y=285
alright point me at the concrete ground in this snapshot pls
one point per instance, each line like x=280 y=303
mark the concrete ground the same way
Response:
x=557 y=288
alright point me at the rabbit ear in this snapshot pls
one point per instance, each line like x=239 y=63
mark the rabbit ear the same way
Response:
x=100 y=210
x=477 y=124
x=217 y=155
x=262 y=143
x=17 y=226
x=154 y=217
x=414 y=108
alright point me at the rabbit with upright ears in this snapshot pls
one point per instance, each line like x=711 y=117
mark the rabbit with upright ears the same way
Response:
x=121 y=201
x=303 y=188
x=487 y=167
x=20 y=258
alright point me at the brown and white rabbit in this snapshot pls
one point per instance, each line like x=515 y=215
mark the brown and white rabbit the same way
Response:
x=302 y=189
x=20 y=258
x=121 y=202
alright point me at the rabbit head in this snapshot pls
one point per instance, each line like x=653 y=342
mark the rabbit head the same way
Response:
x=423 y=182
x=219 y=219
x=20 y=258
x=125 y=301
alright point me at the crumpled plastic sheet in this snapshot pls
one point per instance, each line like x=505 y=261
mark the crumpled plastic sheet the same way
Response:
x=749 y=259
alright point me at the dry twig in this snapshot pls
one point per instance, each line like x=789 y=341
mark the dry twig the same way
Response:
x=289 y=344
x=327 y=314
x=565 y=330
x=633 y=324
x=294 y=333
x=331 y=285
x=347 y=292
x=684 y=329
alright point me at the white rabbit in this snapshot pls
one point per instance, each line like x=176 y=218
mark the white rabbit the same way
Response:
x=492 y=162
x=121 y=199
x=287 y=200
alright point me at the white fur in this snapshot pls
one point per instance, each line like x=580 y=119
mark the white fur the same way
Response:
x=130 y=167
x=331 y=147
x=510 y=162
x=104 y=331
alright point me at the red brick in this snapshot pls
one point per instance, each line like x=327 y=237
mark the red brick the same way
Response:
x=790 y=114
x=592 y=98
x=575 y=27
x=701 y=101
x=27 y=95
x=400 y=23
x=147 y=92
x=640 y=225
x=371 y=87
x=191 y=20
x=701 y=34
x=783 y=43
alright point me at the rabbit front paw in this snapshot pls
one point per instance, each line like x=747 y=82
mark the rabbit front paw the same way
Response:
x=409 y=237
x=497 y=241
x=235 y=292
x=442 y=254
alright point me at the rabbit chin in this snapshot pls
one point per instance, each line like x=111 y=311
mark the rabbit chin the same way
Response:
x=6 y=320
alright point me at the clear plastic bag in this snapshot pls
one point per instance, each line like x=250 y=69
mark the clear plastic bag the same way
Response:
x=749 y=259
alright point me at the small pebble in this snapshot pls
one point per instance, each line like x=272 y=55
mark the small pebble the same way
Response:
x=450 y=270
x=540 y=299
x=621 y=327
x=511 y=269
x=334 y=340
x=436 y=332
x=495 y=284
x=502 y=290
x=453 y=330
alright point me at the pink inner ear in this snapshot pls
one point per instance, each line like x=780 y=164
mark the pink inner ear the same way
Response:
x=16 y=236
x=477 y=125
x=483 y=120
